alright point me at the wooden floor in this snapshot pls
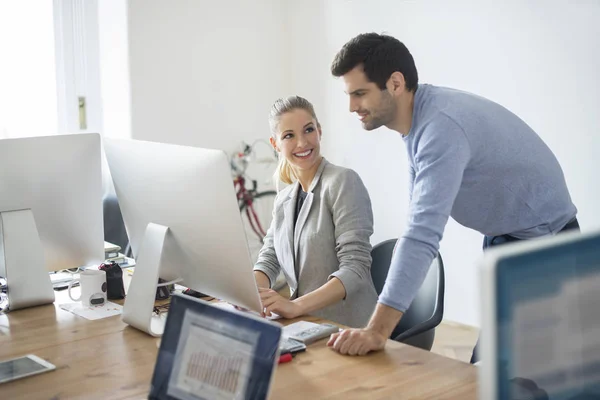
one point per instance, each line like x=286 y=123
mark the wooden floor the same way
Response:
x=455 y=341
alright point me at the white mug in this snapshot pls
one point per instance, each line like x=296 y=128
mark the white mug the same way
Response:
x=93 y=288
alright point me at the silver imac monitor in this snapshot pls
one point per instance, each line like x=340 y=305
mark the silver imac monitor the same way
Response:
x=541 y=319
x=50 y=212
x=184 y=225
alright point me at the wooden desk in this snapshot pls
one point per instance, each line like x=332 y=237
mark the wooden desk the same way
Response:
x=106 y=359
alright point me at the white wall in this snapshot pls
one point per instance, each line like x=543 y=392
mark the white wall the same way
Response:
x=539 y=59
x=205 y=73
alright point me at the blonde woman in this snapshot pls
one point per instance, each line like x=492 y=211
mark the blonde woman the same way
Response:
x=322 y=222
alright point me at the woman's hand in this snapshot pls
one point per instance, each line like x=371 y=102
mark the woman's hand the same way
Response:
x=274 y=303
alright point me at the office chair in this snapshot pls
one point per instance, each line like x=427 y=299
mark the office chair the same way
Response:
x=114 y=227
x=417 y=326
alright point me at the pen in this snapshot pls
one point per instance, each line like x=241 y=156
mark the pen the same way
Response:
x=284 y=358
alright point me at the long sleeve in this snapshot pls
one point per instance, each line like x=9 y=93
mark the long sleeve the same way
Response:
x=441 y=155
x=411 y=182
x=353 y=219
x=267 y=261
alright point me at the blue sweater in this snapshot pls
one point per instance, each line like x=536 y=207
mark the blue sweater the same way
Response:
x=477 y=162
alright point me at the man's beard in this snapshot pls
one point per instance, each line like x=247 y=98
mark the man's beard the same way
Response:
x=384 y=115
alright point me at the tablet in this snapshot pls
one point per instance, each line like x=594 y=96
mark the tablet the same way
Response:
x=22 y=367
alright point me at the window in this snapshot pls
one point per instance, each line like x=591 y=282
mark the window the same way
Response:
x=28 y=97
x=49 y=72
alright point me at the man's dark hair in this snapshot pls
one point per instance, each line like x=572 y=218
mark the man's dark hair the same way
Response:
x=380 y=56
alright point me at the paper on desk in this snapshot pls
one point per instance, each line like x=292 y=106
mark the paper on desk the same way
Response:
x=297 y=327
x=92 y=313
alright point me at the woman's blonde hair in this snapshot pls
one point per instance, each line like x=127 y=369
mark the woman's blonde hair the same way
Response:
x=284 y=171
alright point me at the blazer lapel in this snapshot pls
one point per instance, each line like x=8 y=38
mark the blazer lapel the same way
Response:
x=304 y=211
x=301 y=221
x=289 y=210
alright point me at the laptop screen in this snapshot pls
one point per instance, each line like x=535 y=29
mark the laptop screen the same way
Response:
x=207 y=352
x=548 y=314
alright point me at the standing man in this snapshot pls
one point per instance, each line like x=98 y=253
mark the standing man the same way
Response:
x=469 y=158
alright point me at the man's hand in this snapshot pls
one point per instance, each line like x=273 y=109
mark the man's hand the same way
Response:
x=274 y=303
x=357 y=342
x=372 y=338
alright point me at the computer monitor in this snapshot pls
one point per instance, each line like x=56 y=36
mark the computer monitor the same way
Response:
x=541 y=318
x=184 y=225
x=50 y=212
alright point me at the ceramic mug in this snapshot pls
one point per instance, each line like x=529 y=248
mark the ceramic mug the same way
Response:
x=93 y=288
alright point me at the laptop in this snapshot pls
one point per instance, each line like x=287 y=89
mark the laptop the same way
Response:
x=209 y=352
x=540 y=334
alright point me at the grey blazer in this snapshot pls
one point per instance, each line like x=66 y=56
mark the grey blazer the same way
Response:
x=331 y=239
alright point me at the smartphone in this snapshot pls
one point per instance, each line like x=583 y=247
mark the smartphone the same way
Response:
x=22 y=367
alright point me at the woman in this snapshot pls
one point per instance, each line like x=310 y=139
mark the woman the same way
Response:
x=321 y=227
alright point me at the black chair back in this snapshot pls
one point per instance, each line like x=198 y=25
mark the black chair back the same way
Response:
x=417 y=326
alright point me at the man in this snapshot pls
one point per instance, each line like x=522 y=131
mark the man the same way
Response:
x=469 y=157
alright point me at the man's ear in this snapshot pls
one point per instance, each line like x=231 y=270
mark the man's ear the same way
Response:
x=396 y=83
x=273 y=143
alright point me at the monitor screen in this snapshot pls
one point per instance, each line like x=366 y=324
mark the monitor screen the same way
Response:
x=208 y=352
x=548 y=316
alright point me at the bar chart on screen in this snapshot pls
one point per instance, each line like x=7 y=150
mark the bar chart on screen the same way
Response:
x=216 y=365
x=222 y=373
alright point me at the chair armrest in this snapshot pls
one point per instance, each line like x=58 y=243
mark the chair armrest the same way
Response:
x=419 y=328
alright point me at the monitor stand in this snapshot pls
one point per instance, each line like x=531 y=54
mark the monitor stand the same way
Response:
x=22 y=261
x=138 y=310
